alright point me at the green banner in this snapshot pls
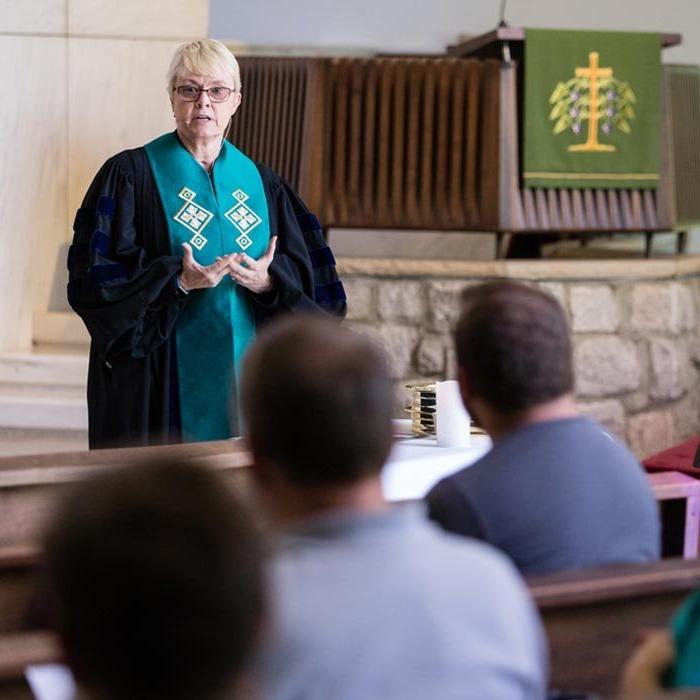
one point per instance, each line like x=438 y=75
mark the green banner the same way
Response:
x=592 y=109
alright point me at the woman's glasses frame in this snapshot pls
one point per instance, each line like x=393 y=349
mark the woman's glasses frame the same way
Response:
x=191 y=93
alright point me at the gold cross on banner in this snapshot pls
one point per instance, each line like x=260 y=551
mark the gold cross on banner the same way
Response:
x=593 y=72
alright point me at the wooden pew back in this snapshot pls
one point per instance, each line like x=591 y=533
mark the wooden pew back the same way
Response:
x=593 y=617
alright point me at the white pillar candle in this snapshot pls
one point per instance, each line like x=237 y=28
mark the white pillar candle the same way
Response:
x=452 y=417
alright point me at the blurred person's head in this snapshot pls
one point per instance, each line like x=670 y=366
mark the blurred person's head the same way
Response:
x=155 y=579
x=514 y=355
x=317 y=403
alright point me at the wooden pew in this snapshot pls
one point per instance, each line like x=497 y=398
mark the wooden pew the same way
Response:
x=29 y=484
x=17 y=651
x=593 y=617
x=19 y=569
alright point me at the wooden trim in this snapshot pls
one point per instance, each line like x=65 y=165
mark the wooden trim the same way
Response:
x=517 y=34
x=590 y=586
x=19 y=650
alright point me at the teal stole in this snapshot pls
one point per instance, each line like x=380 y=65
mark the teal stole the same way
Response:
x=217 y=214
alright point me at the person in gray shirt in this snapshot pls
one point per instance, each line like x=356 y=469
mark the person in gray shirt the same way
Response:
x=556 y=491
x=368 y=601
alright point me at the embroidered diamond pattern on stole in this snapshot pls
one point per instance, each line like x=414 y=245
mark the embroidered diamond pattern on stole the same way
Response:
x=193 y=217
x=243 y=218
x=198 y=241
x=244 y=241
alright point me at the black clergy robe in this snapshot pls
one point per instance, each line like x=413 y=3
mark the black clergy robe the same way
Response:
x=123 y=285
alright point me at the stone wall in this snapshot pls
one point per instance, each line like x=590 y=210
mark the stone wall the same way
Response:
x=634 y=323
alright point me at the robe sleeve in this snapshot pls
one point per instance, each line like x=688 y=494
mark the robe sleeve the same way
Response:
x=127 y=296
x=306 y=279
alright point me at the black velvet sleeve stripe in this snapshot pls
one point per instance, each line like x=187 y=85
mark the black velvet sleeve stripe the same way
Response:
x=120 y=264
x=100 y=243
x=321 y=257
x=107 y=273
x=106 y=206
x=303 y=267
x=330 y=293
x=308 y=222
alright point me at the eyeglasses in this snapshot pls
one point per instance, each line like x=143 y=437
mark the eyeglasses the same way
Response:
x=190 y=93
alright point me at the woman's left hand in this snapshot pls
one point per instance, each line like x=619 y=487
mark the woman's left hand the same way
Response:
x=253 y=274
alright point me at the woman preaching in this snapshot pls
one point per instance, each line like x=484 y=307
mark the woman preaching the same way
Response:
x=181 y=248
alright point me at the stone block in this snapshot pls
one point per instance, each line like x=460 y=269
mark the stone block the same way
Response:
x=594 y=308
x=361 y=294
x=402 y=399
x=694 y=340
x=669 y=368
x=650 y=432
x=609 y=413
x=558 y=291
x=661 y=307
x=685 y=298
x=399 y=343
x=430 y=358
x=401 y=301
x=686 y=416
x=451 y=369
x=636 y=401
x=444 y=302
x=605 y=366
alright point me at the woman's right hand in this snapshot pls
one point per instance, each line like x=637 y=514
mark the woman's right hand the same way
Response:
x=196 y=276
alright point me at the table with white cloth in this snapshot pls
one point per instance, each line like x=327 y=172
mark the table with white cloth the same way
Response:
x=416 y=464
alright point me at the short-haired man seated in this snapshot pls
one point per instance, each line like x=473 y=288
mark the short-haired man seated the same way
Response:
x=556 y=491
x=369 y=601
x=155 y=577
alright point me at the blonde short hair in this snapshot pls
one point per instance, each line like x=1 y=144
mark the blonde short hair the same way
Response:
x=204 y=57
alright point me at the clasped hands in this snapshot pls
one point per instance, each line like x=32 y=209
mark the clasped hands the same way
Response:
x=241 y=268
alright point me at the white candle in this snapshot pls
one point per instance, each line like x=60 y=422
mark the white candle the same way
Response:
x=451 y=415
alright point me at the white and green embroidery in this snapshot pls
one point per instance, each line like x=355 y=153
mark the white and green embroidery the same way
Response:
x=193 y=217
x=243 y=218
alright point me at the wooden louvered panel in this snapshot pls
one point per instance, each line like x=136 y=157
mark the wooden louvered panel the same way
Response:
x=457 y=140
x=386 y=142
x=423 y=136
x=471 y=150
x=442 y=130
x=684 y=96
x=416 y=143
x=603 y=212
x=399 y=131
x=382 y=137
x=274 y=123
x=369 y=150
x=488 y=136
x=614 y=209
x=412 y=178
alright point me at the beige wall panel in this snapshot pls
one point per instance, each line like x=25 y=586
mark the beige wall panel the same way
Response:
x=33 y=183
x=34 y=16
x=136 y=18
x=117 y=100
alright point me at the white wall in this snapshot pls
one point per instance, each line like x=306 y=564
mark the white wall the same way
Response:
x=86 y=79
x=428 y=26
